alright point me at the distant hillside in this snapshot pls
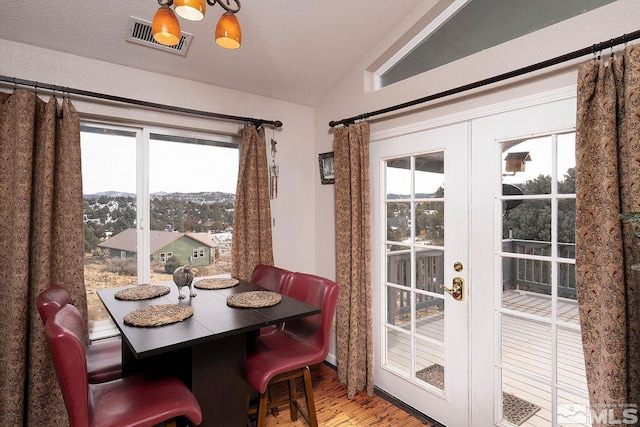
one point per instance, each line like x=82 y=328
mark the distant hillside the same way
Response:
x=111 y=212
x=202 y=197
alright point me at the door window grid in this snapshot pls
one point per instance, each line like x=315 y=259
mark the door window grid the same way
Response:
x=538 y=298
x=414 y=270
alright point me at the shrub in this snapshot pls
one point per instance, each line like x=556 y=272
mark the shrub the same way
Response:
x=171 y=264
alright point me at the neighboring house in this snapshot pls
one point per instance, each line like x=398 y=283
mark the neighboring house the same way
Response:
x=190 y=248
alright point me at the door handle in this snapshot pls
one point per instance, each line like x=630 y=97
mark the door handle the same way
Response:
x=457 y=289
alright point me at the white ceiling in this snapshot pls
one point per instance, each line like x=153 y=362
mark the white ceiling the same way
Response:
x=295 y=51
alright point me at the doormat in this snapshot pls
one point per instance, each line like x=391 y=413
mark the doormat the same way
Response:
x=514 y=409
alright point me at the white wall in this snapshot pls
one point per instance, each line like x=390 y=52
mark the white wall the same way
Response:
x=293 y=212
x=350 y=98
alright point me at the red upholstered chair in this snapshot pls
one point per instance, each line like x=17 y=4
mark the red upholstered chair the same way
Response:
x=104 y=357
x=273 y=279
x=286 y=354
x=270 y=277
x=135 y=400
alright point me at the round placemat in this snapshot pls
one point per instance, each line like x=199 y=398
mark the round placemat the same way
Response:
x=137 y=293
x=158 y=315
x=254 y=299
x=216 y=283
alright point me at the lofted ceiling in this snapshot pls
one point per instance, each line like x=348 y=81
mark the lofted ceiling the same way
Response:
x=294 y=51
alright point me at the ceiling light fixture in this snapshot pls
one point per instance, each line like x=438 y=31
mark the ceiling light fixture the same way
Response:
x=166 y=29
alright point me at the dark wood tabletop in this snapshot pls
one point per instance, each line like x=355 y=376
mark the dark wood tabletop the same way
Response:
x=210 y=345
x=212 y=318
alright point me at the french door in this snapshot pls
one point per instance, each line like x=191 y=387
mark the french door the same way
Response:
x=485 y=206
x=420 y=206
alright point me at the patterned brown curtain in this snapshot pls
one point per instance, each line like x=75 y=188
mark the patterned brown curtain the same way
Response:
x=41 y=243
x=354 y=313
x=607 y=173
x=252 y=243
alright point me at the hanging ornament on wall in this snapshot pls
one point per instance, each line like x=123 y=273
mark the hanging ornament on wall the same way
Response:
x=274 y=171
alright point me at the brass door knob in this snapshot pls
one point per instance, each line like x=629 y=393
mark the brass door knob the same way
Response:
x=457 y=289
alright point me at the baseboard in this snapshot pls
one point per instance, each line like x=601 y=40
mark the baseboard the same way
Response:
x=397 y=402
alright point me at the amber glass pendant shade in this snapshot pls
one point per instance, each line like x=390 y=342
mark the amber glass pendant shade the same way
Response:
x=192 y=10
x=165 y=27
x=228 y=33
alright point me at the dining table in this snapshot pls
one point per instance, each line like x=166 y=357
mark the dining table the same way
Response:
x=207 y=350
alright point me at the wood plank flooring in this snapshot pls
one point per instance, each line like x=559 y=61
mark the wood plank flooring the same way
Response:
x=335 y=410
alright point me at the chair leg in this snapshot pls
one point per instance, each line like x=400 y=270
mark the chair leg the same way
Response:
x=293 y=399
x=308 y=392
x=274 y=411
x=262 y=409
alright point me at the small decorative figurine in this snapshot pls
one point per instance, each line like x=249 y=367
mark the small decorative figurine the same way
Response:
x=183 y=276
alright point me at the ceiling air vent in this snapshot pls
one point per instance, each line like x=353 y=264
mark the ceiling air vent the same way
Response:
x=140 y=33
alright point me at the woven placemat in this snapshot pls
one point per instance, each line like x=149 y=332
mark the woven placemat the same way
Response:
x=216 y=283
x=137 y=293
x=254 y=299
x=158 y=315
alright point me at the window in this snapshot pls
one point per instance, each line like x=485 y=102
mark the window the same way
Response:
x=468 y=27
x=144 y=188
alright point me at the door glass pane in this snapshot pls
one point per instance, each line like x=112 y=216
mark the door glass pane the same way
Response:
x=429 y=175
x=398 y=350
x=526 y=345
x=399 y=265
x=567 y=163
x=567 y=305
x=430 y=363
x=429 y=223
x=527 y=164
x=566 y=228
x=526 y=229
x=399 y=221
x=526 y=401
x=109 y=187
x=430 y=269
x=571 y=371
x=398 y=178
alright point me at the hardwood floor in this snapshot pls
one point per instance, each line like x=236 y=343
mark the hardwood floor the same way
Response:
x=335 y=410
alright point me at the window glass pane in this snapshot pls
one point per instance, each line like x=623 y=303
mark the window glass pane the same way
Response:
x=192 y=184
x=109 y=186
x=480 y=25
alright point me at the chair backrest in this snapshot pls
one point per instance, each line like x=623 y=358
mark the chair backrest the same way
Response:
x=50 y=300
x=270 y=277
x=319 y=292
x=64 y=333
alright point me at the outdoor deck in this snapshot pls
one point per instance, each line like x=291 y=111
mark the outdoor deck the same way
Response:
x=526 y=347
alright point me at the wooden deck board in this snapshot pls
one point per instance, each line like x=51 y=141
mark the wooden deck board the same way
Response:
x=526 y=346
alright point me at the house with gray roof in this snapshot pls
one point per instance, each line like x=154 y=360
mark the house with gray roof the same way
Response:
x=190 y=248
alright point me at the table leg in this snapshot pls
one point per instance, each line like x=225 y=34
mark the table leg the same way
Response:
x=218 y=370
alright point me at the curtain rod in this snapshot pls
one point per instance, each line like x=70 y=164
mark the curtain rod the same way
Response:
x=69 y=90
x=535 y=67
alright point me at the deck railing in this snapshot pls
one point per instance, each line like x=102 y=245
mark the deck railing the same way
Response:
x=524 y=274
